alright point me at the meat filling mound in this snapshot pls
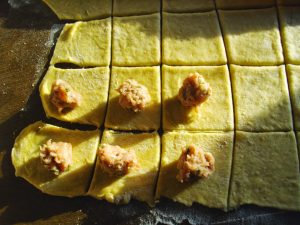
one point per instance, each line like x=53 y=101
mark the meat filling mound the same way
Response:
x=133 y=96
x=194 y=163
x=194 y=91
x=56 y=156
x=63 y=97
x=115 y=160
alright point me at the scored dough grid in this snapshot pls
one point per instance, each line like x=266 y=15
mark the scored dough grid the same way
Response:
x=226 y=63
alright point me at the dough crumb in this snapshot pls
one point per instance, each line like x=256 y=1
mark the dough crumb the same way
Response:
x=56 y=156
x=63 y=97
x=133 y=96
x=194 y=91
x=194 y=163
x=115 y=160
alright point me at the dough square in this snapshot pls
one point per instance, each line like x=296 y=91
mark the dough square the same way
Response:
x=265 y=170
x=85 y=44
x=188 y=5
x=135 y=7
x=293 y=73
x=244 y=4
x=290 y=28
x=80 y=10
x=288 y=2
x=73 y=182
x=215 y=114
x=121 y=119
x=211 y=191
x=138 y=184
x=136 y=40
x=252 y=37
x=192 y=39
x=92 y=84
x=261 y=98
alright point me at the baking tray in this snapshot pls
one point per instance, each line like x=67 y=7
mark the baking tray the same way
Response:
x=27 y=36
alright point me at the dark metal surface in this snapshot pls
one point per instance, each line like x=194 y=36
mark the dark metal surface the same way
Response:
x=24 y=49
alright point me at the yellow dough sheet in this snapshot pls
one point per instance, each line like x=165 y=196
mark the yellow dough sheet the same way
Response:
x=290 y=31
x=261 y=98
x=73 y=182
x=288 y=2
x=92 y=84
x=188 y=5
x=265 y=171
x=80 y=9
x=293 y=73
x=215 y=114
x=86 y=44
x=138 y=184
x=136 y=40
x=192 y=39
x=298 y=140
x=135 y=7
x=122 y=119
x=244 y=4
x=252 y=37
x=211 y=191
